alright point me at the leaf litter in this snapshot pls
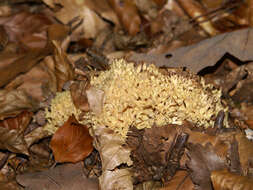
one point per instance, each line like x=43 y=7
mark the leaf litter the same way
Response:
x=73 y=117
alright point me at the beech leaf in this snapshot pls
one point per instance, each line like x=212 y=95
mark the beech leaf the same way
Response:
x=63 y=177
x=71 y=142
x=205 y=53
x=223 y=180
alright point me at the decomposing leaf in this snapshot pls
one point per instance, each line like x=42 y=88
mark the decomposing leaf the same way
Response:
x=245 y=152
x=128 y=15
x=156 y=152
x=96 y=99
x=204 y=54
x=113 y=153
x=14 y=102
x=180 y=181
x=63 y=177
x=71 y=142
x=12 y=133
x=63 y=68
x=195 y=10
x=79 y=96
x=202 y=161
x=90 y=24
x=118 y=179
x=223 y=180
x=34 y=82
x=26 y=28
x=10 y=67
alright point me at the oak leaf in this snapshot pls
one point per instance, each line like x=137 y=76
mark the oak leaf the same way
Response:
x=71 y=142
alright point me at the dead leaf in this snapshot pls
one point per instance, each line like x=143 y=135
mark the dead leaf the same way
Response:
x=180 y=181
x=63 y=177
x=90 y=24
x=64 y=70
x=14 y=102
x=245 y=152
x=128 y=15
x=202 y=161
x=71 y=142
x=204 y=54
x=117 y=179
x=223 y=180
x=26 y=28
x=13 y=65
x=12 y=133
x=113 y=153
x=156 y=152
x=95 y=99
x=79 y=95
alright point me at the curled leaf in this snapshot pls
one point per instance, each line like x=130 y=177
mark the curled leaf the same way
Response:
x=71 y=142
x=63 y=68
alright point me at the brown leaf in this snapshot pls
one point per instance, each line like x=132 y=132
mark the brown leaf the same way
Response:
x=202 y=161
x=117 y=179
x=156 y=152
x=113 y=153
x=14 y=102
x=71 y=10
x=180 y=181
x=64 y=70
x=128 y=15
x=223 y=180
x=96 y=99
x=245 y=152
x=36 y=83
x=63 y=177
x=26 y=28
x=12 y=133
x=79 y=96
x=71 y=142
x=15 y=64
x=206 y=53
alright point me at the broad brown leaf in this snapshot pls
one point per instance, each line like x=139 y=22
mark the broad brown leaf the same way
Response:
x=180 y=181
x=12 y=133
x=202 y=161
x=71 y=142
x=64 y=70
x=224 y=180
x=63 y=177
x=128 y=15
x=206 y=53
x=14 y=102
x=113 y=153
x=79 y=96
x=26 y=28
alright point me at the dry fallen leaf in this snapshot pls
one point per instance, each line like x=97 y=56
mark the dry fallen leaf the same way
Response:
x=128 y=15
x=180 y=181
x=113 y=153
x=204 y=54
x=225 y=180
x=202 y=161
x=91 y=23
x=14 y=102
x=71 y=142
x=117 y=179
x=63 y=177
x=12 y=133
x=64 y=70
x=79 y=96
